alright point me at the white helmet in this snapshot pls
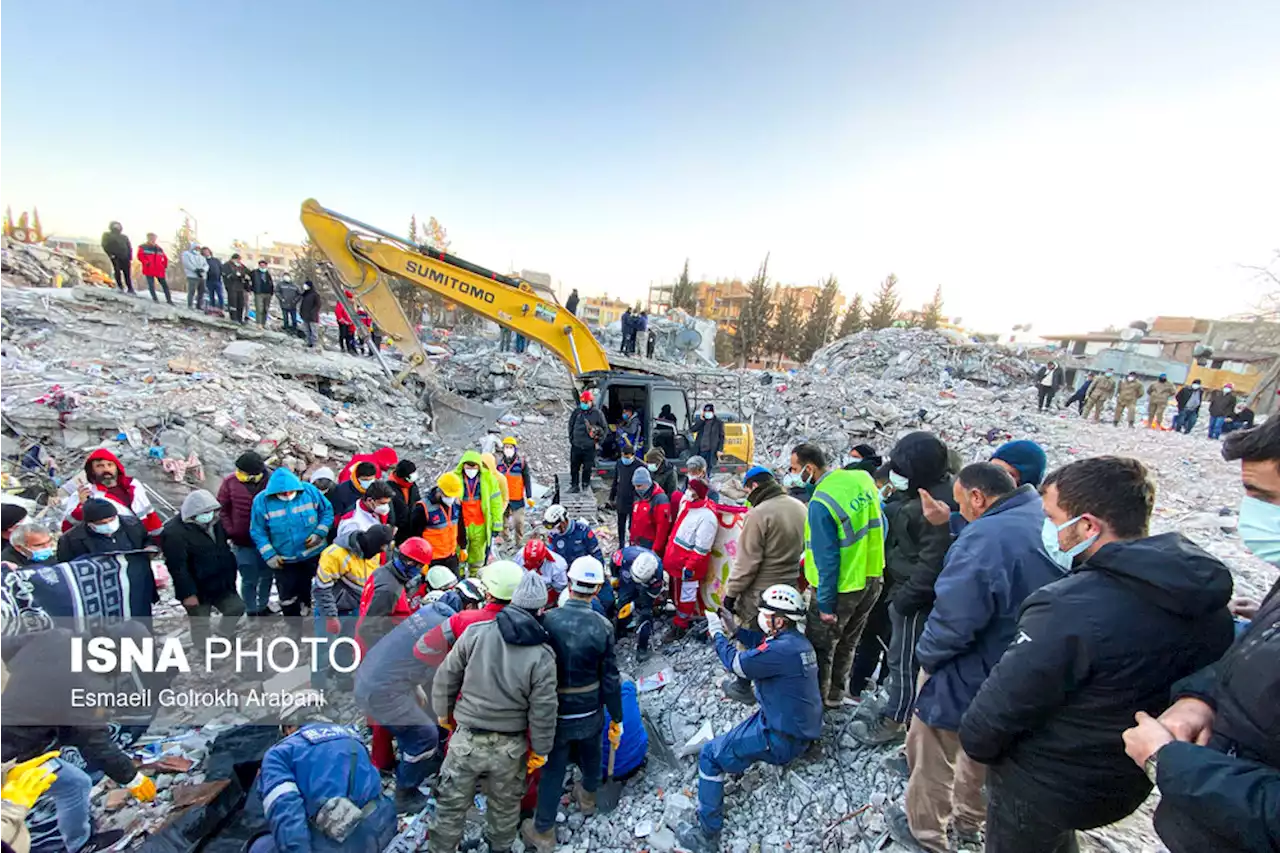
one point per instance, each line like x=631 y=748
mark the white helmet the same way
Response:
x=433 y=596
x=554 y=515
x=644 y=566
x=586 y=574
x=441 y=577
x=783 y=600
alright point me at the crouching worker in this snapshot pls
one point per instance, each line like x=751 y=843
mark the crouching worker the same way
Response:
x=640 y=585
x=345 y=566
x=319 y=789
x=785 y=671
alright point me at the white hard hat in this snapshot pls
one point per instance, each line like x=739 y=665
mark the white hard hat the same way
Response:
x=783 y=600
x=644 y=566
x=586 y=574
x=441 y=577
x=554 y=515
x=433 y=596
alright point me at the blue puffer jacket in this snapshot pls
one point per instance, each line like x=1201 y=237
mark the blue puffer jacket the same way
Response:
x=578 y=541
x=280 y=528
x=996 y=562
x=389 y=671
x=784 y=670
x=314 y=764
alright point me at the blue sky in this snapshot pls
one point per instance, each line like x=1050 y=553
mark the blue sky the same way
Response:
x=1068 y=164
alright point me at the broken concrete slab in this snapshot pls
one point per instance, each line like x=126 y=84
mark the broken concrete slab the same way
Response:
x=242 y=352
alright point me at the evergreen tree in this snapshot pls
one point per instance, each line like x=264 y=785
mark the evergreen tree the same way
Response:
x=884 y=308
x=821 y=322
x=784 y=334
x=933 y=311
x=753 y=322
x=854 y=320
x=413 y=229
x=684 y=295
x=185 y=236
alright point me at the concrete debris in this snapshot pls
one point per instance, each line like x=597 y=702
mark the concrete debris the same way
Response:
x=41 y=266
x=920 y=354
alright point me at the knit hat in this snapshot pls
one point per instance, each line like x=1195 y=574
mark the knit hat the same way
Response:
x=96 y=509
x=373 y=540
x=699 y=488
x=322 y=474
x=655 y=456
x=251 y=463
x=531 y=592
x=11 y=515
x=1027 y=458
x=642 y=479
x=405 y=468
x=385 y=456
x=197 y=502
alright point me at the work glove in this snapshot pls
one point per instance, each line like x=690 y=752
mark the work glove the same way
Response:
x=528 y=502
x=332 y=625
x=535 y=761
x=730 y=624
x=445 y=723
x=275 y=563
x=625 y=610
x=142 y=788
x=615 y=734
x=28 y=780
x=462 y=555
x=312 y=541
x=714 y=626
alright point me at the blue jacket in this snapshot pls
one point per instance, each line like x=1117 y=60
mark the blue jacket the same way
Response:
x=578 y=541
x=314 y=764
x=389 y=671
x=635 y=740
x=996 y=562
x=641 y=596
x=215 y=271
x=281 y=529
x=784 y=670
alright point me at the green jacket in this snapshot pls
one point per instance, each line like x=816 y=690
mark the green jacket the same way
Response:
x=490 y=493
x=843 y=536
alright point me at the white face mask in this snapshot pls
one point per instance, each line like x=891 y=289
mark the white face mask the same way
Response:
x=412 y=478
x=1049 y=538
x=472 y=473
x=1259 y=527
x=449 y=502
x=364 y=484
x=898 y=481
x=509 y=452
x=107 y=528
x=286 y=496
x=383 y=509
x=762 y=620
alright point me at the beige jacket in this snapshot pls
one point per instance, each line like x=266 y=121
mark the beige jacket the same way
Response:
x=769 y=550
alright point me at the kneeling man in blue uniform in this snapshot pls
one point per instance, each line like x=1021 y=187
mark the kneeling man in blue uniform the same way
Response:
x=784 y=673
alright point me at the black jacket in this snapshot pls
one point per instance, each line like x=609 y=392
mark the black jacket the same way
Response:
x=1059 y=377
x=79 y=541
x=580 y=437
x=236 y=277
x=914 y=550
x=1226 y=796
x=199 y=560
x=10 y=554
x=585 y=665
x=262 y=282
x=571 y=304
x=1222 y=404
x=117 y=246
x=621 y=491
x=344 y=498
x=1090 y=651
x=1183 y=397
x=709 y=438
x=214 y=272
x=666 y=477
x=309 y=306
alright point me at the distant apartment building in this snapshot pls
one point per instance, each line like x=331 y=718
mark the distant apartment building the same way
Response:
x=279 y=256
x=723 y=300
x=601 y=310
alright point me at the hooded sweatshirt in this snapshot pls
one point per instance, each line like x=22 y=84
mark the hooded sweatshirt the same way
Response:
x=130 y=498
x=341 y=576
x=384 y=458
x=490 y=493
x=280 y=528
x=1089 y=652
x=913 y=548
x=197 y=555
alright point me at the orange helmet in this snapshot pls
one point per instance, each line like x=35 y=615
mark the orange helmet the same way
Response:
x=586 y=397
x=535 y=553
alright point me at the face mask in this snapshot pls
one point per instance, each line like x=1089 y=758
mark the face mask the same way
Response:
x=584 y=406
x=762 y=620
x=706 y=416
x=898 y=481
x=1049 y=537
x=383 y=509
x=287 y=496
x=204 y=518
x=449 y=502
x=364 y=484
x=653 y=469
x=1259 y=527
x=248 y=478
x=39 y=555
x=627 y=460
x=792 y=480
x=1131 y=377
x=1195 y=386
x=805 y=477
x=412 y=478
x=106 y=528
x=471 y=473
x=509 y=452
x=626 y=417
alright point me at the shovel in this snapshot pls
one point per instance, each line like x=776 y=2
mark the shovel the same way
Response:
x=611 y=790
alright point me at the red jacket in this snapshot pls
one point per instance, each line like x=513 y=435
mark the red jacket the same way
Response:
x=651 y=521
x=129 y=497
x=384 y=458
x=153 y=259
x=339 y=312
x=434 y=646
x=236 y=501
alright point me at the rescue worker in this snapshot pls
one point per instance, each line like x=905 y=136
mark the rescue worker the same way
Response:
x=708 y=437
x=499 y=684
x=106 y=478
x=1158 y=394
x=843 y=561
x=688 y=556
x=587 y=427
x=348 y=492
x=789 y=719
x=435 y=518
x=344 y=568
x=587 y=675
x=650 y=514
x=663 y=472
x=1127 y=398
x=570 y=539
x=630 y=429
x=537 y=557
x=515 y=470
x=383 y=459
x=405 y=495
x=373 y=509
x=1189 y=400
x=498 y=582
x=387 y=688
x=490 y=463
x=482 y=508
x=319 y=790
x=622 y=493
x=770 y=547
x=640 y=585
x=289 y=524
x=235 y=501
x=1101 y=391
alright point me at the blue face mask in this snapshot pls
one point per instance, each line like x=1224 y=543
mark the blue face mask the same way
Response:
x=365 y=484
x=1049 y=537
x=40 y=555
x=584 y=406
x=1259 y=527
x=204 y=518
x=106 y=528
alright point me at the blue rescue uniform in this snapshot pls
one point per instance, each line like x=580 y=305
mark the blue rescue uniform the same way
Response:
x=578 y=541
x=641 y=596
x=784 y=671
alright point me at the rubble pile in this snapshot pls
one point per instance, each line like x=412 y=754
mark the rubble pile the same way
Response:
x=923 y=355
x=42 y=266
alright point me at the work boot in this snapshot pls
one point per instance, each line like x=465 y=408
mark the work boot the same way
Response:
x=883 y=731
x=969 y=837
x=695 y=839
x=897 y=765
x=586 y=799
x=643 y=655
x=739 y=690
x=104 y=840
x=542 y=842
x=410 y=801
x=900 y=829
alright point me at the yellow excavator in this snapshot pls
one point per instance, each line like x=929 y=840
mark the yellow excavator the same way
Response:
x=366 y=259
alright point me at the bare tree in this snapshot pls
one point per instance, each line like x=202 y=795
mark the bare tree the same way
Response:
x=1268 y=308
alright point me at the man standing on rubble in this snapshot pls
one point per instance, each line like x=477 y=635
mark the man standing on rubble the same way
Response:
x=586 y=427
x=843 y=563
x=499 y=684
x=514 y=468
x=1189 y=400
x=1222 y=405
x=1158 y=394
x=997 y=561
x=203 y=568
x=106 y=478
x=373 y=509
x=404 y=484
x=235 y=501
x=348 y=493
x=195 y=267
x=289 y=524
x=309 y=312
x=650 y=513
x=571 y=304
x=435 y=518
x=628 y=331
x=482 y=508
x=1049 y=380
x=239 y=281
x=154 y=263
x=120 y=252
x=622 y=491
x=1080 y=394
x=1127 y=398
x=288 y=293
x=31 y=545
x=1135 y=614
x=1101 y=391
x=263 y=288
x=213 y=279
x=709 y=437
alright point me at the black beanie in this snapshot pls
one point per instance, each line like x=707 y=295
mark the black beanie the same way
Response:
x=373 y=540
x=404 y=468
x=11 y=514
x=96 y=509
x=251 y=463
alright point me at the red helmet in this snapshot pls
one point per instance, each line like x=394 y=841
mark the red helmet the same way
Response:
x=586 y=397
x=417 y=549
x=535 y=553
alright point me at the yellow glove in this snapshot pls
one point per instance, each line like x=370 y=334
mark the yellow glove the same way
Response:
x=535 y=761
x=462 y=555
x=625 y=610
x=142 y=788
x=444 y=723
x=615 y=734
x=28 y=780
